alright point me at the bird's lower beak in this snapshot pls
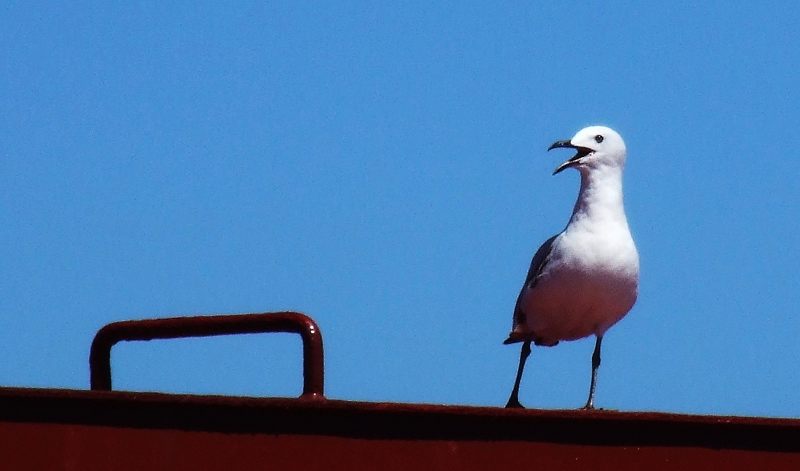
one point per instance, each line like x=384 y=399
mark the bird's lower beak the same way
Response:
x=572 y=161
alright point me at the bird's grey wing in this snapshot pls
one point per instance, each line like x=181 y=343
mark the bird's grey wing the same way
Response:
x=538 y=263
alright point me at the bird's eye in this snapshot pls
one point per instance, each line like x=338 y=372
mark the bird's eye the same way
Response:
x=598 y=138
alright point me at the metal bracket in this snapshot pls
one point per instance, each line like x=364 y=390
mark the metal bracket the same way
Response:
x=205 y=326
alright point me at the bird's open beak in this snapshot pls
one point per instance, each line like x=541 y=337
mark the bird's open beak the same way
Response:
x=574 y=160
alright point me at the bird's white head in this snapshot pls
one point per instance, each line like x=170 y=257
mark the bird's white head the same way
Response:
x=597 y=146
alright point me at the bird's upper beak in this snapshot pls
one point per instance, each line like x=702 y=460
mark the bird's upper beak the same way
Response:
x=574 y=160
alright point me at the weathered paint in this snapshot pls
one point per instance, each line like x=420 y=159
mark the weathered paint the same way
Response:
x=50 y=429
x=87 y=430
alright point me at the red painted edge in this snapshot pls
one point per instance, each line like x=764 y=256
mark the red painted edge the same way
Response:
x=229 y=414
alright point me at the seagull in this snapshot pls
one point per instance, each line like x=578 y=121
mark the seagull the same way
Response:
x=586 y=278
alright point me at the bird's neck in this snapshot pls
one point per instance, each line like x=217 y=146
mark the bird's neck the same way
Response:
x=600 y=197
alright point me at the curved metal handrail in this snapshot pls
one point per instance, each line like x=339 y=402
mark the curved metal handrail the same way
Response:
x=204 y=326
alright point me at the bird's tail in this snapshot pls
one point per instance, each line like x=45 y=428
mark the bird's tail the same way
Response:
x=517 y=337
x=514 y=337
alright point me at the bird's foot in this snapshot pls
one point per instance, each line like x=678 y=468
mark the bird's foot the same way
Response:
x=513 y=403
x=593 y=408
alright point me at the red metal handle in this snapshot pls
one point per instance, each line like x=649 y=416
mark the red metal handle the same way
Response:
x=204 y=326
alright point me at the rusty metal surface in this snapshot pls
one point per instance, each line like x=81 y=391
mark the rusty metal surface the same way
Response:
x=91 y=429
x=92 y=448
x=102 y=429
x=204 y=326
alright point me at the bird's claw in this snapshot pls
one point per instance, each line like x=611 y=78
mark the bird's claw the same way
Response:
x=514 y=404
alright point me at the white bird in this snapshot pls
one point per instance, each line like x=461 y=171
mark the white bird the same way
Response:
x=585 y=279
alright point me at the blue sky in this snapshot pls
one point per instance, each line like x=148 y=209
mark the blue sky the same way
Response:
x=383 y=169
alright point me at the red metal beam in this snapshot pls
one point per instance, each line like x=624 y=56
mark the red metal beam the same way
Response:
x=125 y=430
x=103 y=429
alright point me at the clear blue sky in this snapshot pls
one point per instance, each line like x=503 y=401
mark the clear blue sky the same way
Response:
x=383 y=169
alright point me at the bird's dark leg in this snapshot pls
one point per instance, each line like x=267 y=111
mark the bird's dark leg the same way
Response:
x=595 y=365
x=513 y=400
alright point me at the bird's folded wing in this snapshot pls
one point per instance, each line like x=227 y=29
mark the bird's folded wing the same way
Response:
x=538 y=263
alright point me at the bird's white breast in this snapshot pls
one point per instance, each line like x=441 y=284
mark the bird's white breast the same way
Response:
x=589 y=283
